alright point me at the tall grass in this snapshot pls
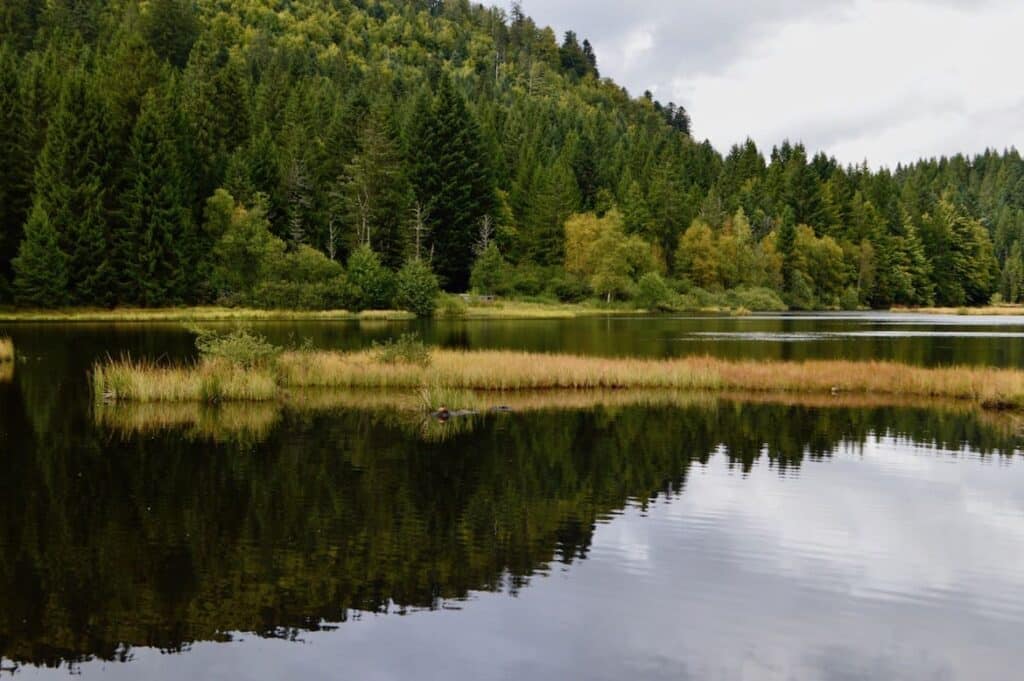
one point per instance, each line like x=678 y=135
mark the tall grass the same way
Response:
x=213 y=380
x=503 y=371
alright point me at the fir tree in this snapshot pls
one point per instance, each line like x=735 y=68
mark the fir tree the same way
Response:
x=10 y=182
x=451 y=178
x=171 y=29
x=377 y=192
x=41 y=277
x=70 y=184
x=154 y=248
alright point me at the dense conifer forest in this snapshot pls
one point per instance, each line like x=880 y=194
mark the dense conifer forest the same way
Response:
x=360 y=154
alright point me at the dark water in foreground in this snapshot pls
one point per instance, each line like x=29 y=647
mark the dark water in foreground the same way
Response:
x=705 y=540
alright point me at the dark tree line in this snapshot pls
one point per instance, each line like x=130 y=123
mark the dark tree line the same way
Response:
x=141 y=142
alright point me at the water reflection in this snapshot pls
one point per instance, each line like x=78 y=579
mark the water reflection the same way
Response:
x=118 y=541
x=687 y=536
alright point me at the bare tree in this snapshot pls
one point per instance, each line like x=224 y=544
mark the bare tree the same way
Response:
x=419 y=228
x=486 y=234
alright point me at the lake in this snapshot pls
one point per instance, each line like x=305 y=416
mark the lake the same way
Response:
x=706 y=539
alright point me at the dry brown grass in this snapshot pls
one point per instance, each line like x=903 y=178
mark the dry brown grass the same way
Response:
x=518 y=371
x=510 y=372
x=208 y=381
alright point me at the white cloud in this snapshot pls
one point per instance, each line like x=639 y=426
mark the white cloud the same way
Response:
x=884 y=80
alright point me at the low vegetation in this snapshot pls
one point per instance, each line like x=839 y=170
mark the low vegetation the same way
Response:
x=6 y=350
x=242 y=367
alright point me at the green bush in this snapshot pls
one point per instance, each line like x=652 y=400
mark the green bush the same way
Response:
x=416 y=288
x=801 y=293
x=370 y=285
x=850 y=300
x=490 y=273
x=241 y=347
x=528 y=280
x=654 y=294
x=569 y=288
x=406 y=349
x=451 y=307
x=287 y=295
x=755 y=298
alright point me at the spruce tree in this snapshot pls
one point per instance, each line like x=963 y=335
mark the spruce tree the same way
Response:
x=41 y=277
x=154 y=246
x=70 y=183
x=10 y=182
x=377 y=193
x=171 y=28
x=451 y=178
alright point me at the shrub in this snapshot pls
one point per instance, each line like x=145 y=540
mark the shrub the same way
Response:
x=528 y=280
x=654 y=294
x=370 y=285
x=850 y=300
x=239 y=347
x=406 y=349
x=569 y=288
x=490 y=273
x=755 y=298
x=452 y=307
x=416 y=288
x=288 y=295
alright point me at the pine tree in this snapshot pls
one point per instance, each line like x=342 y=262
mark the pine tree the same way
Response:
x=785 y=245
x=377 y=192
x=154 y=247
x=171 y=29
x=41 y=277
x=10 y=182
x=19 y=20
x=70 y=183
x=451 y=178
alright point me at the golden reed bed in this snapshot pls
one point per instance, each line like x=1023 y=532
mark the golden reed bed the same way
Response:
x=6 y=349
x=501 y=371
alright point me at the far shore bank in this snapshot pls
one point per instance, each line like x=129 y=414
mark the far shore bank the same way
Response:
x=496 y=310
x=984 y=311
x=493 y=310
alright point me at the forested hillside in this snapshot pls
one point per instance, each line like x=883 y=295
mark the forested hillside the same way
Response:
x=340 y=153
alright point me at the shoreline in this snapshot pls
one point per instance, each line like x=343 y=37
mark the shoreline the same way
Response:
x=511 y=310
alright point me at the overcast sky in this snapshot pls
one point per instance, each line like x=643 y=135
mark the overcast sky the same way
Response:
x=878 y=80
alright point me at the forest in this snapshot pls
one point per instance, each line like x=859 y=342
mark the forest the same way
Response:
x=370 y=154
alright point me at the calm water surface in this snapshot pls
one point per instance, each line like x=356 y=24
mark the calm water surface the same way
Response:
x=706 y=540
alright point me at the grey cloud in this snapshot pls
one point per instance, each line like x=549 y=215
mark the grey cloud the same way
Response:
x=690 y=39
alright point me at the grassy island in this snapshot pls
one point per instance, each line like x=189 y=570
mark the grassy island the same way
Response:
x=452 y=378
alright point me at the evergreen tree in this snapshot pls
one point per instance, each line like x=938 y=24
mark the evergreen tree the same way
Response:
x=41 y=277
x=11 y=183
x=377 y=191
x=489 y=271
x=70 y=188
x=451 y=178
x=155 y=247
x=171 y=29
x=785 y=244
x=416 y=288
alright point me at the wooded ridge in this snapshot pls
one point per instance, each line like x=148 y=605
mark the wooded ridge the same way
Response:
x=349 y=154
